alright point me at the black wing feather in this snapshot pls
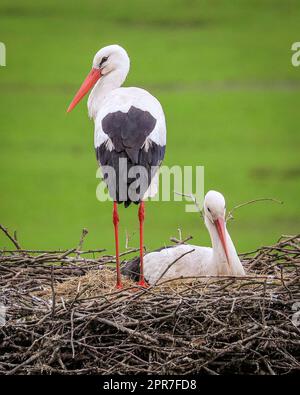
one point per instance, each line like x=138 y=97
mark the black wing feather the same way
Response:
x=128 y=133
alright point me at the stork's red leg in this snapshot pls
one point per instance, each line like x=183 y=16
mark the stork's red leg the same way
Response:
x=141 y=219
x=116 y=226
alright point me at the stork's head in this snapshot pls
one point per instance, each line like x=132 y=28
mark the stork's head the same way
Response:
x=214 y=210
x=106 y=61
x=111 y=58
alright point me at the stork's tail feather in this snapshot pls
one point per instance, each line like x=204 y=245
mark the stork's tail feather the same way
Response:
x=127 y=203
x=131 y=269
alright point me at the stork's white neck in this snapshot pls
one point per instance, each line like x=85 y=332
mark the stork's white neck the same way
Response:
x=234 y=266
x=105 y=85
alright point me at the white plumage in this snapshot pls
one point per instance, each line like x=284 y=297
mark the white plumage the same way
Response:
x=220 y=259
x=121 y=99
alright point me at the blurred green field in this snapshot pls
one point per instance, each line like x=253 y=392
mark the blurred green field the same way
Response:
x=222 y=71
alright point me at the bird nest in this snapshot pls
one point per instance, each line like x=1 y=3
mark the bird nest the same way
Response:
x=64 y=316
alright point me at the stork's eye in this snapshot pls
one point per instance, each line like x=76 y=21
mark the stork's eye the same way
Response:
x=208 y=209
x=104 y=59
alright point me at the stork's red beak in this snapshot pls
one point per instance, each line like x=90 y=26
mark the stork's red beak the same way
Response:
x=220 y=225
x=88 y=83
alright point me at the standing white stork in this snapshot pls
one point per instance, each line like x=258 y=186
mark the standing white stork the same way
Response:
x=221 y=259
x=130 y=131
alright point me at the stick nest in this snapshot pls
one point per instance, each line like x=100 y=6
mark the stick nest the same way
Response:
x=64 y=316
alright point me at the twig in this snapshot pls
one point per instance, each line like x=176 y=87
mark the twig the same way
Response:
x=53 y=292
x=127 y=239
x=230 y=214
x=72 y=333
x=193 y=198
x=11 y=238
x=83 y=235
x=174 y=240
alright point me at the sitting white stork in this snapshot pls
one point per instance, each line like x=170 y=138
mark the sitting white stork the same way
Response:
x=191 y=260
x=130 y=136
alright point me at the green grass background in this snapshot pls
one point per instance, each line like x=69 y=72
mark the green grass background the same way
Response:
x=223 y=73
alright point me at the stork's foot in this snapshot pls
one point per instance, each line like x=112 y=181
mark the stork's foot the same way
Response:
x=143 y=284
x=138 y=286
x=119 y=286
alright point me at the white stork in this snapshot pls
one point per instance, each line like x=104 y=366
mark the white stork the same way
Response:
x=191 y=260
x=130 y=131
